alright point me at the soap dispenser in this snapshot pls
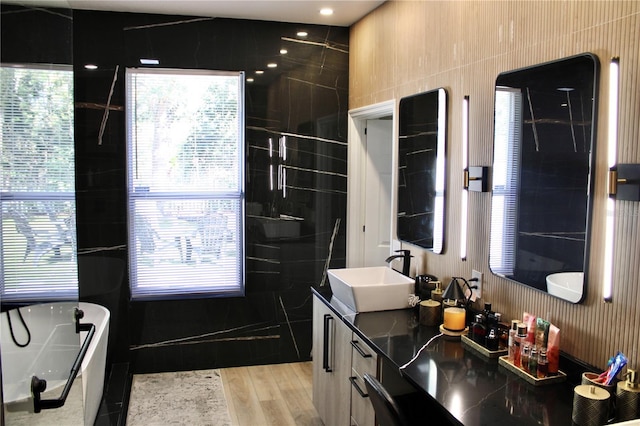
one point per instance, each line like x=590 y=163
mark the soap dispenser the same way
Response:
x=436 y=294
x=628 y=397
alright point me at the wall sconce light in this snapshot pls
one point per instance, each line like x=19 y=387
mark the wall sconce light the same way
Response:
x=464 y=209
x=476 y=178
x=624 y=182
x=612 y=145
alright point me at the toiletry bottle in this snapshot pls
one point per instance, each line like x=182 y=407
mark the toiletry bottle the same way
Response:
x=543 y=366
x=436 y=293
x=487 y=309
x=524 y=356
x=478 y=330
x=519 y=341
x=488 y=316
x=502 y=331
x=492 y=340
x=512 y=339
x=533 y=362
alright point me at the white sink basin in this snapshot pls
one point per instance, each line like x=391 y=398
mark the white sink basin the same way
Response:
x=566 y=285
x=376 y=288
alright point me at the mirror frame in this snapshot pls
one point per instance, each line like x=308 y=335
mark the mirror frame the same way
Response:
x=420 y=218
x=590 y=66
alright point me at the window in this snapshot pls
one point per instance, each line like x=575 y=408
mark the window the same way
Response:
x=38 y=184
x=185 y=141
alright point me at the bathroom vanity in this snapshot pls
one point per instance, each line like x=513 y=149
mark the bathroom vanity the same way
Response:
x=446 y=381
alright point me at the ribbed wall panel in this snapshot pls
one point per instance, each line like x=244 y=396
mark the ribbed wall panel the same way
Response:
x=408 y=47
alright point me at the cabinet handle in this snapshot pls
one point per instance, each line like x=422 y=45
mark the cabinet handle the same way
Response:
x=361 y=351
x=325 y=346
x=354 y=383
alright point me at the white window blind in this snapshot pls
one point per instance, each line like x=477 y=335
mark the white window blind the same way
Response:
x=185 y=139
x=38 y=183
x=504 y=203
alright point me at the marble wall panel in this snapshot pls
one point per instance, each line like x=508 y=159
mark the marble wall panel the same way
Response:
x=463 y=46
x=304 y=99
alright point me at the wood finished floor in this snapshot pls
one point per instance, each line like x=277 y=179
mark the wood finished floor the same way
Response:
x=278 y=394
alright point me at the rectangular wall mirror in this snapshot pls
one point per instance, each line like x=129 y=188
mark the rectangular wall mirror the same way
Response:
x=421 y=169
x=542 y=175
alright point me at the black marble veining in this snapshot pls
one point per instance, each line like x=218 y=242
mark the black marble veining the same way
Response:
x=472 y=389
x=305 y=99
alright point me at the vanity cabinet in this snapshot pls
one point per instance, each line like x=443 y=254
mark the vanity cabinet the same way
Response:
x=331 y=366
x=340 y=361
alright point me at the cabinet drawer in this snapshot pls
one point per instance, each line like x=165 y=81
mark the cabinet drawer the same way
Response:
x=362 y=413
x=363 y=358
x=363 y=361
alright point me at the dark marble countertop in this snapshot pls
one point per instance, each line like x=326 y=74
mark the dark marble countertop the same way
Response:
x=474 y=389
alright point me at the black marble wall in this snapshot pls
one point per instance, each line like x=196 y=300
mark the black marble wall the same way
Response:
x=304 y=99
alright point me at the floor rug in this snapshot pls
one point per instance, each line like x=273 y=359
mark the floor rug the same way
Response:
x=179 y=398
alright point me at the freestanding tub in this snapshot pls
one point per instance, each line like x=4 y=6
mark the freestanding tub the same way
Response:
x=51 y=353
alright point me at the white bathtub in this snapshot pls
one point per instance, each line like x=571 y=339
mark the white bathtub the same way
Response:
x=51 y=353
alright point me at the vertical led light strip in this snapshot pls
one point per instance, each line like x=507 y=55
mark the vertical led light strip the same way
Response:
x=271 y=163
x=284 y=170
x=438 y=219
x=612 y=144
x=464 y=212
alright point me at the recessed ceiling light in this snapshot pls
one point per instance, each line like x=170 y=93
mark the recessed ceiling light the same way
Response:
x=302 y=34
x=91 y=67
x=250 y=80
x=149 y=61
x=259 y=72
x=272 y=65
x=326 y=11
x=283 y=51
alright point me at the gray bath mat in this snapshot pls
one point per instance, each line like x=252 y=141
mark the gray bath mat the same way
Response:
x=180 y=398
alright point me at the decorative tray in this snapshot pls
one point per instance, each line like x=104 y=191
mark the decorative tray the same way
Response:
x=478 y=348
x=560 y=377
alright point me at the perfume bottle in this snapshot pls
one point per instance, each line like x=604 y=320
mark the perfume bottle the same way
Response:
x=478 y=330
x=492 y=340
x=513 y=332
x=502 y=331
x=533 y=362
x=519 y=341
x=543 y=364
x=524 y=356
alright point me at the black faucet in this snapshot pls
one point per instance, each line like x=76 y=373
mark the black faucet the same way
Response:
x=406 y=263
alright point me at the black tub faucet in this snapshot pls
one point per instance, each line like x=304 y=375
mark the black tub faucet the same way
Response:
x=406 y=262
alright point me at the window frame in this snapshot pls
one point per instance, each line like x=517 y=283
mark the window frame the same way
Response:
x=180 y=291
x=42 y=293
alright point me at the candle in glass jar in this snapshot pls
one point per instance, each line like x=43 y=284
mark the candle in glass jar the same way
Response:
x=454 y=319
